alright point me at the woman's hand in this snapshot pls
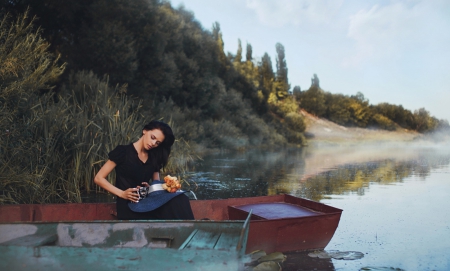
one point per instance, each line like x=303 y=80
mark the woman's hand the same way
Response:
x=145 y=184
x=131 y=194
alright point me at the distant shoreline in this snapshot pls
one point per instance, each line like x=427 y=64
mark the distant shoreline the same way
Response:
x=322 y=130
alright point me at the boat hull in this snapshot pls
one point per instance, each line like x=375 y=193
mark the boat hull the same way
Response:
x=312 y=230
x=113 y=245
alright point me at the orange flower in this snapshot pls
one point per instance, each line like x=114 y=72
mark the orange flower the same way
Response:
x=171 y=184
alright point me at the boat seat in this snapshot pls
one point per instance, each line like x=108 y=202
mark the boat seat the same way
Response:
x=227 y=241
x=200 y=239
x=273 y=210
x=32 y=240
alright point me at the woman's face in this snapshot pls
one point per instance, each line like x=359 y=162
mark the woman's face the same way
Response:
x=152 y=138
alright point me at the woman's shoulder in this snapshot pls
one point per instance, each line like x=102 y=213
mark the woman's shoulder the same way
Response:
x=123 y=148
x=119 y=153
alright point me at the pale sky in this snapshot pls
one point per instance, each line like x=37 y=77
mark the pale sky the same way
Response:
x=394 y=51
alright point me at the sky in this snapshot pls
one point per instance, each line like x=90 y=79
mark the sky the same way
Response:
x=393 y=51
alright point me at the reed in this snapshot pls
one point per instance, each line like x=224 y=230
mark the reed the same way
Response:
x=70 y=141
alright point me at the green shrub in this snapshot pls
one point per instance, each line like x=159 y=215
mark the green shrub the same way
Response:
x=383 y=122
x=295 y=122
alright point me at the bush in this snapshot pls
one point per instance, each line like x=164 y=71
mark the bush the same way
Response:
x=223 y=134
x=295 y=122
x=383 y=122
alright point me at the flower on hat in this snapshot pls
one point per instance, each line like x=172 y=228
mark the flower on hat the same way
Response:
x=171 y=184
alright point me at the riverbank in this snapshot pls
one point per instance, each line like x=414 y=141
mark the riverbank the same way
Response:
x=320 y=130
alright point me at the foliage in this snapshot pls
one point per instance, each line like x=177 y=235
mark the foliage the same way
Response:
x=281 y=84
x=383 y=122
x=27 y=69
x=313 y=101
x=356 y=111
x=295 y=122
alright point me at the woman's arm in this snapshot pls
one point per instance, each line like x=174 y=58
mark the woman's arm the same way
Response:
x=100 y=180
x=156 y=176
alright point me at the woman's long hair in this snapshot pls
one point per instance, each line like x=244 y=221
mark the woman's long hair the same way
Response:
x=160 y=155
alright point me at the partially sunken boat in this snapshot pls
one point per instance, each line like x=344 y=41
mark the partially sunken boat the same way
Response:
x=279 y=223
x=123 y=245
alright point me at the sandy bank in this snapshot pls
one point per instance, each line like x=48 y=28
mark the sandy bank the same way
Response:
x=322 y=130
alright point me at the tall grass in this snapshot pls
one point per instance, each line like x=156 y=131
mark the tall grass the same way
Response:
x=71 y=139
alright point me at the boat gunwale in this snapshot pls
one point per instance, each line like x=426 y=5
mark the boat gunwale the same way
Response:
x=111 y=221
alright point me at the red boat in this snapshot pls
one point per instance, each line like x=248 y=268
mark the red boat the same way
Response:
x=278 y=223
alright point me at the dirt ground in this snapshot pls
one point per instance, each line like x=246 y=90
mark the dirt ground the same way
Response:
x=325 y=131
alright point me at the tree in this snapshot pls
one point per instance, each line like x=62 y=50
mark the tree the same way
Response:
x=238 y=57
x=282 y=70
x=217 y=35
x=315 y=81
x=313 y=101
x=249 y=56
x=360 y=97
x=296 y=91
x=424 y=122
x=267 y=75
x=281 y=87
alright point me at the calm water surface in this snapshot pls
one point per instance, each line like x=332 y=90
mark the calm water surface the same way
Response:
x=395 y=198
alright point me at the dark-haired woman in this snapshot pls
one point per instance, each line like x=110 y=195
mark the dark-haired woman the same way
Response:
x=138 y=164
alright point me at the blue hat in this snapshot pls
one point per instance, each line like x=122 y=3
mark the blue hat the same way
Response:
x=156 y=197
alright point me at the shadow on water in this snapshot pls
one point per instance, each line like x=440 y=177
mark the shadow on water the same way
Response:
x=300 y=261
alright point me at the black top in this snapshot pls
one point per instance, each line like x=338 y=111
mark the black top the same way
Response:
x=130 y=172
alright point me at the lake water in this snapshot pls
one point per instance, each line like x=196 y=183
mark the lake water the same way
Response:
x=395 y=198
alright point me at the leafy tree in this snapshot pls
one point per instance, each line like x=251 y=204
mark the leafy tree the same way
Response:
x=249 y=56
x=360 y=114
x=383 y=122
x=423 y=121
x=313 y=101
x=217 y=35
x=238 y=57
x=315 y=81
x=359 y=96
x=337 y=109
x=281 y=86
x=296 y=91
x=266 y=76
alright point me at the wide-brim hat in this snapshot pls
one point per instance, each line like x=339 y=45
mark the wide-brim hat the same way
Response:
x=156 y=197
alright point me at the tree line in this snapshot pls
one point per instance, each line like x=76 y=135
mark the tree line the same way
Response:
x=355 y=111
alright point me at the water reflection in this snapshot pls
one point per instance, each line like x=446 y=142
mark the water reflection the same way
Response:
x=394 y=198
x=244 y=174
x=313 y=173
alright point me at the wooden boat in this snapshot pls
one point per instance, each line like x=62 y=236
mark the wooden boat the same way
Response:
x=278 y=223
x=130 y=245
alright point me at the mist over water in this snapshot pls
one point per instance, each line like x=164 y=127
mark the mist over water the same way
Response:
x=394 y=196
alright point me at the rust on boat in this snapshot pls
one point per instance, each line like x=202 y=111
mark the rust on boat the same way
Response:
x=278 y=223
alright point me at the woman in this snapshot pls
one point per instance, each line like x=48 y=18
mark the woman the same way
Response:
x=136 y=165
